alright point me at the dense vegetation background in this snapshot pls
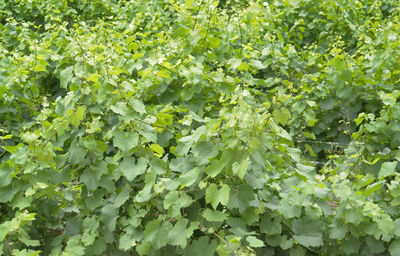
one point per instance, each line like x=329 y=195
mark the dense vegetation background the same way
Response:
x=172 y=127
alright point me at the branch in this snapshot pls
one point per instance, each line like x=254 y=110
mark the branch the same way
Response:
x=337 y=144
x=154 y=125
x=8 y=246
x=197 y=14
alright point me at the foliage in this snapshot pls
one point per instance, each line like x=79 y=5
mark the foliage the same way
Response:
x=206 y=127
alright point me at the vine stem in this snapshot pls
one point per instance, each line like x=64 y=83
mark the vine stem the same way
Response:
x=240 y=32
x=224 y=240
x=338 y=144
x=197 y=15
x=208 y=29
x=8 y=246
x=154 y=125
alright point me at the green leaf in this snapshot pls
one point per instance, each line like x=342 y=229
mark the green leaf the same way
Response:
x=204 y=151
x=240 y=169
x=375 y=246
x=337 y=231
x=174 y=201
x=164 y=74
x=123 y=195
x=151 y=230
x=125 y=141
x=5 y=177
x=312 y=240
x=307 y=232
x=242 y=198
x=40 y=65
x=170 y=199
x=270 y=226
x=7 y=193
x=211 y=215
x=90 y=226
x=4 y=229
x=354 y=216
x=74 y=247
x=297 y=251
x=126 y=242
x=138 y=106
x=243 y=66
x=94 y=201
x=93 y=78
x=77 y=116
x=109 y=216
x=89 y=180
x=189 y=178
x=66 y=76
x=387 y=169
x=157 y=149
x=217 y=196
x=203 y=245
x=254 y=241
x=386 y=226
x=351 y=245
x=157 y=233
x=76 y=153
x=215 y=42
x=222 y=251
x=282 y=115
x=394 y=248
x=373 y=187
x=257 y=64
x=120 y=108
x=396 y=224
x=214 y=168
x=131 y=169
x=25 y=252
x=179 y=233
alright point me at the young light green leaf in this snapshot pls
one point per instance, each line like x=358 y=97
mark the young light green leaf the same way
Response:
x=243 y=66
x=40 y=65
x=164 y=74
x=282 y=115
x=93 y=78
x=158 y=150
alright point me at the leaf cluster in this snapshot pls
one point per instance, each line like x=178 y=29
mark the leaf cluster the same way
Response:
x=199 y=127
